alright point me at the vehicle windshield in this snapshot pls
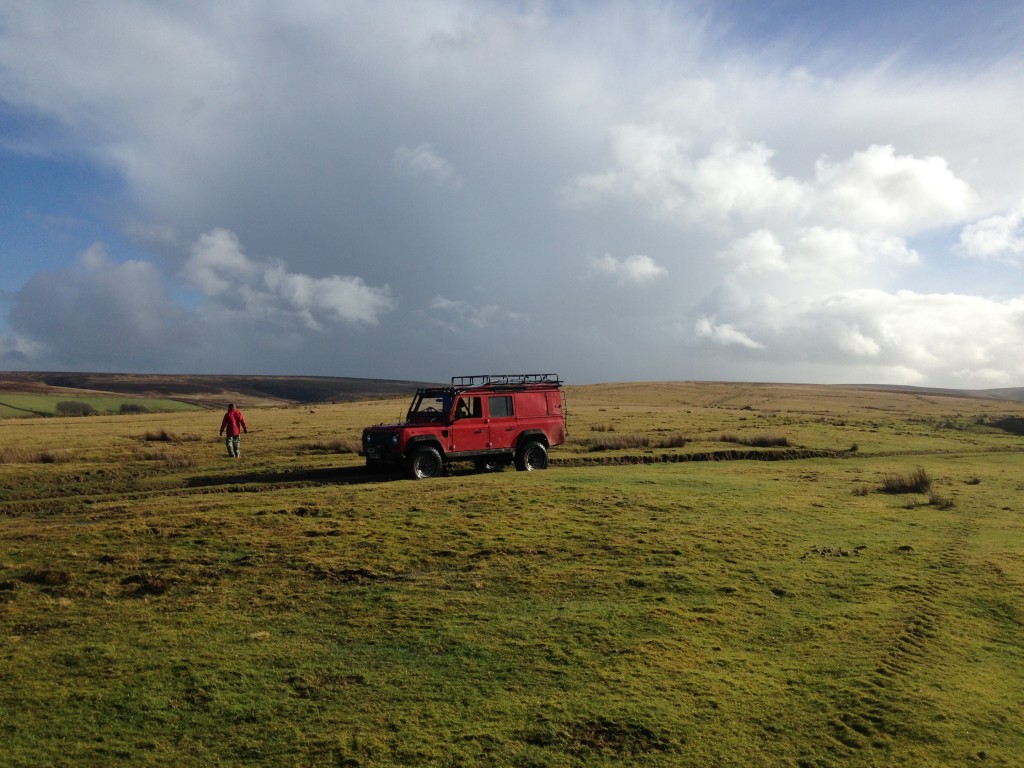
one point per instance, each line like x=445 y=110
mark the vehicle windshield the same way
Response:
x=430 y=404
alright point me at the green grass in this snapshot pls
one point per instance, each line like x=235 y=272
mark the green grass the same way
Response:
x=14 y=404
x=163 y=605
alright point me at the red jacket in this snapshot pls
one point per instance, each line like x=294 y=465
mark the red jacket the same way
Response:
x=233 y=422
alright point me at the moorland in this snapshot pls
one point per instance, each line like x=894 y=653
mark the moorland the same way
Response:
x=708 y=574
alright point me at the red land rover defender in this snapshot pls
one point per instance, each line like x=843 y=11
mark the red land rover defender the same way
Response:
x=492 y=421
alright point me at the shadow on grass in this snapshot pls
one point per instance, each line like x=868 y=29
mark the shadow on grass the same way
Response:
x=340 y=475
x=331 y=475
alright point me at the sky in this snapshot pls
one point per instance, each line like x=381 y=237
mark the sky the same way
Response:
x=740 y=190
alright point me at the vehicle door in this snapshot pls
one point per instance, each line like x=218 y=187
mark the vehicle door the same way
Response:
x=503 y=425
x=468 y=431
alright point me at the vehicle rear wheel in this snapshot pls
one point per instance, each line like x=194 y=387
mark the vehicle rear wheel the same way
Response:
x=425 y=462
x=531 y=456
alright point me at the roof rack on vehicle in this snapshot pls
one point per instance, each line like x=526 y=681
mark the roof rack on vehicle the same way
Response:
x=505 y=379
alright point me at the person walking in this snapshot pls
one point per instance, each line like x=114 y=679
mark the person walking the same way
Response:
x=233 y=423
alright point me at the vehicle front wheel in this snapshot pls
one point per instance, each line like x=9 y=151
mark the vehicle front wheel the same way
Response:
x=532 y=456
x=425 y=462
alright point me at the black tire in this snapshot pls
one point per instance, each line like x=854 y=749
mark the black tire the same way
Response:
x=425 y=462
x=531 y=456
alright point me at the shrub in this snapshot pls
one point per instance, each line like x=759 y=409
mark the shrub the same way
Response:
x=940 y=501
x=163 y=436
x=75 y=408
x=916 y=482
x=133 y=408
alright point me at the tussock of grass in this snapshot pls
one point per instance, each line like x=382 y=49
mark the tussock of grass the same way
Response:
x=616 y=442
x=49 y=577
x=12 y=455
x=339 y=445
x=166 y=436
x=757 y=441
x=916 y=482
x=9 y=455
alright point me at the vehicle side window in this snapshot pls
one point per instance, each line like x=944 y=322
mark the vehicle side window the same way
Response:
x=468 y=408
x=500 y=405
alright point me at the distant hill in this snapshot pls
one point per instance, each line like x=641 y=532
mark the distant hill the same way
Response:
x=213 y=391
x=1015 y=394
x=209 y=390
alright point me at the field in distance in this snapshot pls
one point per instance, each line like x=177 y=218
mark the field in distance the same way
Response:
x=708 y=574
x=42 y=393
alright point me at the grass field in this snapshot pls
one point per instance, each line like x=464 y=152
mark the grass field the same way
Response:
x=162 y=604
x=13 y=404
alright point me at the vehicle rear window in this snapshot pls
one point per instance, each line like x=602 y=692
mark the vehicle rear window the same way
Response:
x=500 y=405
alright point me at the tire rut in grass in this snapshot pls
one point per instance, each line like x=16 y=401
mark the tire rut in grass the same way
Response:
x=878 y=710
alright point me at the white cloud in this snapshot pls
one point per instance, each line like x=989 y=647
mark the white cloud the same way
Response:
x=958 y=339
x=460 y=316
x=999 y=237
x=874 y=190
x=423 y=162
x=814 y=258
x=16 y=351
x=660 y=169
x=878 y=190
x=632 y=270
x=221 y=270
x=725 y=334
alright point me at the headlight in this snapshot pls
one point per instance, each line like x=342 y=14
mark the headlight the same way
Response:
x=394 y=439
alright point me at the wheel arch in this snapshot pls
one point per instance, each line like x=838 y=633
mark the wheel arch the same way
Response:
x=424 y=440
x=532 y=436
